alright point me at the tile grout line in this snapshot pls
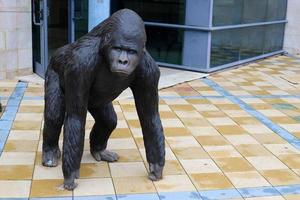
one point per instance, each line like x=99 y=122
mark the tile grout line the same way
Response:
x=291 y=139
x=10 y=112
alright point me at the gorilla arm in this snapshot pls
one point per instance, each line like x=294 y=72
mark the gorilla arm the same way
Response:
x=145 y=91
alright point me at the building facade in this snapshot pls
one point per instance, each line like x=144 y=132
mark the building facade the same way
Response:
x=202 y=35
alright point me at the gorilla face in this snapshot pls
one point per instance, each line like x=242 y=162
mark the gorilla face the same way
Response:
x=124 y=55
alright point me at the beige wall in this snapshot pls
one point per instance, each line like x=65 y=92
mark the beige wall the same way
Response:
x=15 y=38
x=292 y=31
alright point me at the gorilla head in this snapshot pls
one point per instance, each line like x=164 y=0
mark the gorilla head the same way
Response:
x=124 y=42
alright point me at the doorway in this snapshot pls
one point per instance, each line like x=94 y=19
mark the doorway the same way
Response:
x=55 y=24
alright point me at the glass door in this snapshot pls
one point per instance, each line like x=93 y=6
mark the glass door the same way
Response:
x=39 y=24
x=55 y=24
x=57 y=29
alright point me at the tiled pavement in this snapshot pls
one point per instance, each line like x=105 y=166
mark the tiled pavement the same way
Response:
x=234 y=135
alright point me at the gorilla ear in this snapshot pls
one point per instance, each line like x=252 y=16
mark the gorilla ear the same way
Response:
x=107 y=38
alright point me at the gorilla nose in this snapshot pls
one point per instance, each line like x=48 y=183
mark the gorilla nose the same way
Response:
x=123 y=62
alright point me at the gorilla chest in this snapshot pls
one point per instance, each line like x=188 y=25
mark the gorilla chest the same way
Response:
x=107 y=88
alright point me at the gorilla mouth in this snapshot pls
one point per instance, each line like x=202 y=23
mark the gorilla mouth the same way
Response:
x=121 y=72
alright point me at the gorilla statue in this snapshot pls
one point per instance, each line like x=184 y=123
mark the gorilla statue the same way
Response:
x=88 y=75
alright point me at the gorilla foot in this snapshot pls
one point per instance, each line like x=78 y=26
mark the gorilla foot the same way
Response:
x=69 y=183
x=155 y=173
x=105 y=155
x=50 y=158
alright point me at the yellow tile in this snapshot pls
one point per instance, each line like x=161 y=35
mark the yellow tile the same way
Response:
x=269 y=139
x=212 y=140
x=167 y=115
x=247 y=179
x=126 y=169
x=292 y=197
x=197 y=101
x=171 y=132
x=195 y=122
x=174 y=183
x=291 y=160
x=211 y=181
x=235 y=164
x=246 y=120
x=182 y=107
x=194 y=166
x=128 y=155
x=190 y=153
x=231 y=130
x=48 y=188
x=100 y=186
x=208 y=114
x=14 y=189
x=281 y=177
x=26 y=125
x=228 y=107
x=283 y=120
x=222 y=151
x=121 y=133
x=16 y=172
x=249 y=150
x=94 y=170
x=21 y=145
x=133 y=185
x=173 y=167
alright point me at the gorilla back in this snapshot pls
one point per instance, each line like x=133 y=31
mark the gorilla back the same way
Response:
x=88 y=75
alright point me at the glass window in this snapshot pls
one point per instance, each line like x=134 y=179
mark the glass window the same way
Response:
x=163 y=11
x=227 y=12
x=254 y=11
x=276 y=10
x=225 y=47
x=165 y=45
x=238 y=44
x=252 y=41
x=274 y=38
x=232 y=12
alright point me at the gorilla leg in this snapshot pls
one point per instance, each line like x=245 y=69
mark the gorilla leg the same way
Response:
x=54 y=118
x=105 y=122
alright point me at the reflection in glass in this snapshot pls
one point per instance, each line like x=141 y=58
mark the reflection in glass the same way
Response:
x=57 y=25
x=232 y=12
x=227 y=12
x=238 y=44
x=274 y=38
x=81 y=18
x=165 y=45
x=252 y=41
x=225 y=47
x=163 y=11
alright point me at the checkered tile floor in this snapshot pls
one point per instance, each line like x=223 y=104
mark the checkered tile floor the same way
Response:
x=234 y=135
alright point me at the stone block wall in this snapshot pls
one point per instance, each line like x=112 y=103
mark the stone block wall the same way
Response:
x=15 y=38
x=292 y=31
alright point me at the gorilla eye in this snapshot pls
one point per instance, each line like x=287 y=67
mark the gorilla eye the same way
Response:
x=132 y=51
x=117 y=49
